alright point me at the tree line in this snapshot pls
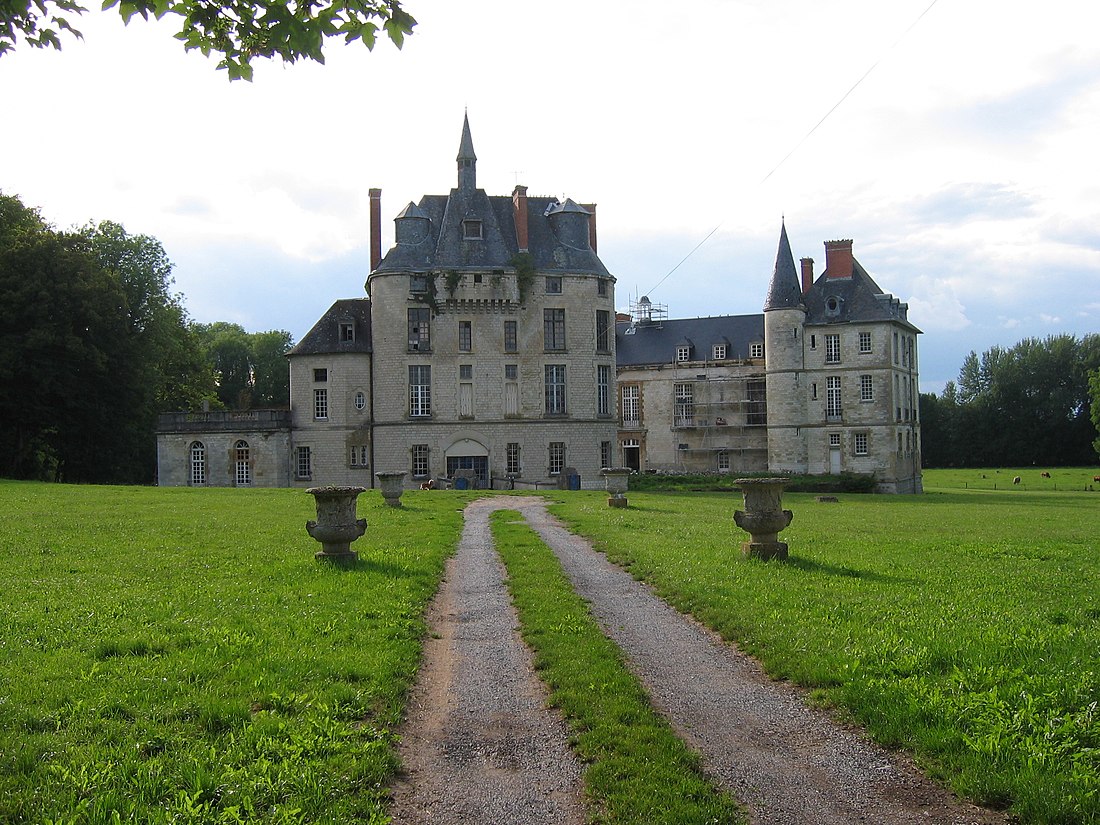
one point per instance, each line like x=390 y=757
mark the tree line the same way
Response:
x=94 y=345
x=1035 y=403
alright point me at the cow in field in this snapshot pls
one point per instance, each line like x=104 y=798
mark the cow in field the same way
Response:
x=1016 y=480
x=1045 y=475
x=1096 y=478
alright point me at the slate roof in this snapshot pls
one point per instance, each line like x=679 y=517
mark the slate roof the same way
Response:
x=784 y=292
x=859 y=299
x=324 y=337
x=655 y=343
x=446 y=248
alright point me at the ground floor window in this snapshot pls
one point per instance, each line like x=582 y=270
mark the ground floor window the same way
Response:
x=557 y=457
x=242 y=464
x=605 y=453
x=420 y=460
x=511 y=458
x=859 y=443
x=197 y=455
x=303 y=464
x=723 y=461
x=359 y=456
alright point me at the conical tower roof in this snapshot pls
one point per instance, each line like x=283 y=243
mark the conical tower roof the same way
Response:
x=784 y=291
x=466 y=146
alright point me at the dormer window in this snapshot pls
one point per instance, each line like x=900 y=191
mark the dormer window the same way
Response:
x=719 y=352
x=471 y=230
x=832 y=306
x=756 y=350
x=683 y=353
x=347 y=332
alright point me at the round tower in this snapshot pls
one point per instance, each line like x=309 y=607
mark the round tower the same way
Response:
x=784 y=323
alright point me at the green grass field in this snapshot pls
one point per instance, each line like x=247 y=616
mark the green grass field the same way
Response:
x=177 y=655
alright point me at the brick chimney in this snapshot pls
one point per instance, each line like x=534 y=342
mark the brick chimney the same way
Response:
x=838 y=259
x=375 y=228
x=807 y=274
x=519 y=209
x=591 y=207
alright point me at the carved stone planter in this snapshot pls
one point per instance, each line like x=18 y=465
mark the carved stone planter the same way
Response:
x=336 y=526
x=763 y=517
x=393 y=485
x=617 y=481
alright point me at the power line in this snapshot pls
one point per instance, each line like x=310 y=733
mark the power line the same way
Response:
x=808 y=134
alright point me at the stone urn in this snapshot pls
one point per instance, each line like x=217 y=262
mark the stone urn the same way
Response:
x=763 y=517
x=336 y=526
x=393 y=485
x=617 y=481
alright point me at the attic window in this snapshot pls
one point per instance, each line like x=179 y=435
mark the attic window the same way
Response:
x=347 y=332
x=719 y=352
x=683 y=353
x=471 y=230
x=756 y=350
x=832 y=306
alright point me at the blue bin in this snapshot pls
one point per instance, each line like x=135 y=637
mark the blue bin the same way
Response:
x=462 y=483
x=574 y=482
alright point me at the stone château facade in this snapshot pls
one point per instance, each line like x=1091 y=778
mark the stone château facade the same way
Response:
x=489 y=344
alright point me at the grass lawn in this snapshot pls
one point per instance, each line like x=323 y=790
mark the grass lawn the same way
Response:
x=963 y=624
x=177 y=655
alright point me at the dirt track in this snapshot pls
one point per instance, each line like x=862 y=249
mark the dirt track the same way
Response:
x=479 y=746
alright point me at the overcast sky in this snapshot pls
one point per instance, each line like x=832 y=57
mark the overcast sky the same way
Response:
x=964 y=165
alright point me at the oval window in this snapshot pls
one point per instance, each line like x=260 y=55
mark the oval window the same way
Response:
x=360 y=400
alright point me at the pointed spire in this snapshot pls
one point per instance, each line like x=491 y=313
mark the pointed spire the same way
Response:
x=784 y=291
x=467 y=160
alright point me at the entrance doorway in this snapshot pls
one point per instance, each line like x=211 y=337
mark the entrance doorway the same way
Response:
x=478 y=463
x=632 y=454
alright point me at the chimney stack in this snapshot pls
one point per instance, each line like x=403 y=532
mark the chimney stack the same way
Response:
x=375 y=228
x=519 y=210
x=838 y=259
x=807 y=274
x=591 y=207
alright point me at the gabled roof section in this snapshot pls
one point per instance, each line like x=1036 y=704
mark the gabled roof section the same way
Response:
x=326 y=338
x=857 y=299
x=784 y=291
x=655 y=343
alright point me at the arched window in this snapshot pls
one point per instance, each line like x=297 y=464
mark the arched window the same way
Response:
x=242 y=464
x=197 y=458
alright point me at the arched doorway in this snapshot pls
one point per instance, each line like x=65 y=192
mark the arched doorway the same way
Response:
x=242 y=464
x=468 y=454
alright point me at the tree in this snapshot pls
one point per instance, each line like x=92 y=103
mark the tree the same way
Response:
x=238 y=30
x=270 y=371
x=250 y=368
x=1094 y=391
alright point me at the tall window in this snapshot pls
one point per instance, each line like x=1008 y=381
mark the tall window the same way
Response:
x=466 y=399
x=555 y=389
x=832 y=349
x=320 y=404
x=603 y=327
x=631 y=408
x=358 y=456
x=553 y=325
x=757 y=413
x=865 y=342
x=198 y=463
x=420 y=390
x=859 y=443
x=242 y=464
x=605 y=453
x=684 y=413
x=511 y=458
x=419 y=460
x=601 y=286
x=303 y=464
x=603 y=390
x=832 y=396
x=557 y=457
x=510 y=336
x=895 y=347
x=866 y=388
x=465 y=336
x=420 y=319
x=511 y=391
x=723 y=461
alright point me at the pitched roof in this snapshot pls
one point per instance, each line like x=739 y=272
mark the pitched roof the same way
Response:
x=325 y=336
x=858 y=299
x=656 y=342
x=784 y=292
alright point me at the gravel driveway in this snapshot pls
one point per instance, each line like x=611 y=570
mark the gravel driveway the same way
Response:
x=479 y=747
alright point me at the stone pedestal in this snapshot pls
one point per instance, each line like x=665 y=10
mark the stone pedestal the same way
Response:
x=336 y=526
x=393 y=485
x=617 y=482
x=763 y=517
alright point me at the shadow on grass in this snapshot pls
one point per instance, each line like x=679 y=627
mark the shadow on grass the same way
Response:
x=811 y=566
